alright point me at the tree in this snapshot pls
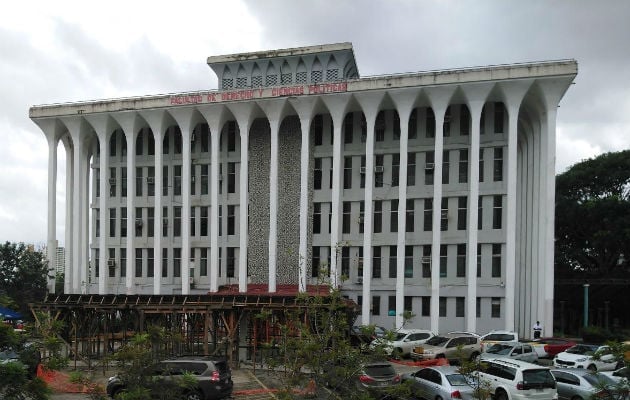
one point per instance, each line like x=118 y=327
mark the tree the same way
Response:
x=23 y=274
x=18 y=380
x=593 y=217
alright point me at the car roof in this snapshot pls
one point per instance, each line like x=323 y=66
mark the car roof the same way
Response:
x=576 y=371
x=462 y=333
x=515 y=363
x=446 y=369
x=413 y=331
x=501 y=331
x=459 y=334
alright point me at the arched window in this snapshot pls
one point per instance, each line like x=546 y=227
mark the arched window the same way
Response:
x=227 y=82
x=316 y=72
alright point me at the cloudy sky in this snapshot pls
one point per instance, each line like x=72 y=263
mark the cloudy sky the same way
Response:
x=64 y=51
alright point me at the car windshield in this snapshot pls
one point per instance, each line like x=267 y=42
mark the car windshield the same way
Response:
x=457 y=380
x=584 y=349
x=500 y=348
x=377 y=370
x=437 y=341
x=599 y=380
x=399 y=336
x=499 y=337
x=8 y=355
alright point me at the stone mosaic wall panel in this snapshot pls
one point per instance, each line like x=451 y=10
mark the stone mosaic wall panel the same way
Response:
x=258 y=241
x=289 y=145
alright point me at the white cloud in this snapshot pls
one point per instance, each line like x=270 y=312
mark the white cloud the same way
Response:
x=66 y=51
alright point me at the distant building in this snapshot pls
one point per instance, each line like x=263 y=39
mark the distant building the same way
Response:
x=58 y=260
x=430 y=192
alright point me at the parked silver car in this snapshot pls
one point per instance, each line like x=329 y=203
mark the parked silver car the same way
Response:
x=452 y=346
x=444 y=382
x=582 y=384
x=513 y=350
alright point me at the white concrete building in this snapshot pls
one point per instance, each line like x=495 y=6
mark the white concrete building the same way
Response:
x=431 y=192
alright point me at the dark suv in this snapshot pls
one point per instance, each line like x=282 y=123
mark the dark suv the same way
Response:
x=376 y=378
x=213 y=376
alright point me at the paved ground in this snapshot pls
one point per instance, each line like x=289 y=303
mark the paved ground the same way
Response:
x=246 y=385
x=244 y=381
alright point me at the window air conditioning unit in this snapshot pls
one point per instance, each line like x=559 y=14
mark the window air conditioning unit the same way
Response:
x=138 y=222
x=362 y=170
x=192 y=179
x=379 y=169
x=150 y=180
x=220 y=178
x=164 y=221
x=111 y=262
x=359 y=280
x=191 y=280
x=429 y=165
x=112 y=181
x=426 y=259
x=192 y=137
x=444 y=214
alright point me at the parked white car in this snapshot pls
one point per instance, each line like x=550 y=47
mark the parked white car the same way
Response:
x=512 y=350
x=581 y=356
x=514 y=380
x=403 y=341
x=493 y=337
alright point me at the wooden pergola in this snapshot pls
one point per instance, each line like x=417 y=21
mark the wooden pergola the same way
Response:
x=223 y=323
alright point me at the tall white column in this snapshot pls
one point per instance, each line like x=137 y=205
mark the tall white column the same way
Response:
x=69 y=236
x=157 y=226
x=215 y=116
x=102 y=127
x=85 y=217
x=273 y=205
x=74 y=126
x=337 y=105
x=370 y=117
x=305 y=124
x=439 y=98
x=475 y=108
x=52 y=208
x=549 y=213
x=402 y=226
x=131 y=193
x=243 y=126
x=515 y=91
x=102 y=207
x=436 y=232
x=476 y=96
x=510 y=226
x=215 y=135
x=404 y=101
x=335 y=228
x=186 y=129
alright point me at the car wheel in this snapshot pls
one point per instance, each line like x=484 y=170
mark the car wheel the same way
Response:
x=194 y=396
x=576 y=398
x=620 y=364
x=474 y=357
x=117 y=391
x=592 y=367
x=500 y=395
x=397 y=353
x=440 y=356
x=438 y=398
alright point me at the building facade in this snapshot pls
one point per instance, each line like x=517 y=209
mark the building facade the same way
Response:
x=427 y=192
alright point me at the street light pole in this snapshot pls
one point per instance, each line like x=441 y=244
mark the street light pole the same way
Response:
x=586 y=285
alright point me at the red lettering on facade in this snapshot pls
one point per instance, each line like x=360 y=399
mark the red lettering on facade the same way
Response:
x=186 y=99
x=249 y=94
